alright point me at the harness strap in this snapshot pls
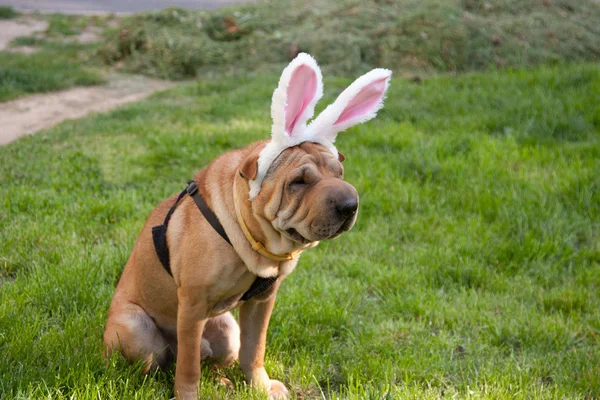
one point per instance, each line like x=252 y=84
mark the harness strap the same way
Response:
x=159 y=237
x=210 y=216
x=260 y=285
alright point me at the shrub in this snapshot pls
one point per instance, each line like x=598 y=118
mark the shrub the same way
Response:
x=7 y=12
x=350 y=36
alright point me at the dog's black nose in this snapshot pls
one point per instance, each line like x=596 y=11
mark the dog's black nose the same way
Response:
x=347 y=207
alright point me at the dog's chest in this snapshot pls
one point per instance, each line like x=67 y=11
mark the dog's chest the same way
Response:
x=225 y=293
x=228 y=304
x=261 y=289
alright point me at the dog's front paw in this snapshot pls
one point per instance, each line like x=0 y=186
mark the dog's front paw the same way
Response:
x=278 y=391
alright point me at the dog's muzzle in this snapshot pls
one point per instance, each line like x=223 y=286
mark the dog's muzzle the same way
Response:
x=340 y=212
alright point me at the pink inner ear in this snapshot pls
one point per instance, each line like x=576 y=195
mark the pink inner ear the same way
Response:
x=300 y=91
x=364 y=101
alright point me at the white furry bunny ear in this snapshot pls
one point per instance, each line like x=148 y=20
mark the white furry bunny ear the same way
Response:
x=300 y=88
x=355 y=105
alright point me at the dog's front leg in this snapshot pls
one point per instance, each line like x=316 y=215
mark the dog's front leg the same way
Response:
x=191 y=318
x=254 y=321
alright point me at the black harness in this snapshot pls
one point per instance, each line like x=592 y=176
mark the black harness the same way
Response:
x=159 y=236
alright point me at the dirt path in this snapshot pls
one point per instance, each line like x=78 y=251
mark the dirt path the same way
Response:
x=13 y=28
x=30 y=114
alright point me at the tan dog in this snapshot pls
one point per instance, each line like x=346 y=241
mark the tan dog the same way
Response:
x=288 y=197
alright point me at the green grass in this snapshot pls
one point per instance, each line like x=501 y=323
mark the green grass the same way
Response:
x=65 y=25
x=351 y=36
x=56 y=66
x=58 y=63
x=7 y=12
x=473 y=270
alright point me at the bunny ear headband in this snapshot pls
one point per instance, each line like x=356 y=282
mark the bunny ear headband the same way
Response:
x=300 y=88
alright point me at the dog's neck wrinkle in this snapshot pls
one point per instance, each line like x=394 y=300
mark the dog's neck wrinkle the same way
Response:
x=270 y=237
x=252 y=219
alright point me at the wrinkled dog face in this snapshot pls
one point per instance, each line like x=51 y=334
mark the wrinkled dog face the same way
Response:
x=309 y=200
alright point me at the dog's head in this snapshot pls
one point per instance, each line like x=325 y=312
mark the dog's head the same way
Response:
x=297 y=177
x=304 y=194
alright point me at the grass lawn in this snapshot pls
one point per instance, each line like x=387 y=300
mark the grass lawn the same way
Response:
x=473 y=270
x=60 y=62
x=57 y=66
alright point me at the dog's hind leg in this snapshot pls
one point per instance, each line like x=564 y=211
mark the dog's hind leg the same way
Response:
x=132 y=331
x=223 y=336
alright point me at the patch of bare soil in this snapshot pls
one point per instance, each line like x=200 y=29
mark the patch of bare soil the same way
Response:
x=13 y=28
x=30 y=114
x=23 y=49
x=28 y=25
x=89 y=34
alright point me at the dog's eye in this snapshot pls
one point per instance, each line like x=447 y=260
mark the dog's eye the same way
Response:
x=298 y=182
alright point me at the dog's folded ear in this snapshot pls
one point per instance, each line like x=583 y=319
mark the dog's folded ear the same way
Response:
x=341 y=157
x=249 y=167
x=355 y=105
x=300 y=88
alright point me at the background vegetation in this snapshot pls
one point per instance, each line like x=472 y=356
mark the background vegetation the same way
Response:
x=7 y=12
x=351 y=36
x=416 y=38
